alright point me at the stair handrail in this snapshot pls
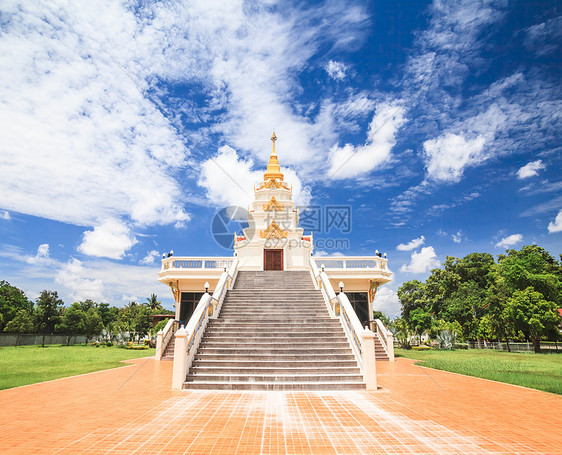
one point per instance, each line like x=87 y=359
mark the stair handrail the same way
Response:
x=187 y=341
x=189 y=337
x=315 y=273
x=163 y=337
x=329 y=295
x=351 y=325
x=361 y=340
x=387 y=339
x=226 y=281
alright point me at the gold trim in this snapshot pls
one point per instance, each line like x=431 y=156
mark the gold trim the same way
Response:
x=273 y=205
x=373 y=288
x=273 y=183
x=273 y=231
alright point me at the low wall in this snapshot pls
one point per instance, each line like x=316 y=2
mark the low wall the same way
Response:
x=9 y=339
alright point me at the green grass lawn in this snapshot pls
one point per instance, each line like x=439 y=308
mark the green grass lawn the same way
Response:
x=23 y=365
x=537 y=371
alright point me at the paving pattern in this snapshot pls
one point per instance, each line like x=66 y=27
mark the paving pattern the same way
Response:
x=132 y=410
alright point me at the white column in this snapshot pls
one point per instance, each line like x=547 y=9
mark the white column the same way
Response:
x=180 y=359
x=368 y=355
x=159 y=339
x=390 y=345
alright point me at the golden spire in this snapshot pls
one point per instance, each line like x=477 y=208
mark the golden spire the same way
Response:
x=273 y=168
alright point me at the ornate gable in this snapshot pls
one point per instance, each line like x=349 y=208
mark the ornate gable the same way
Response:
x=273 y=184
x=273 y=205
x=273 y=231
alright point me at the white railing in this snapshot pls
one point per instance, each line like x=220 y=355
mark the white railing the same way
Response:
x=189 y=337
x=386 y=338
x=361 y=340
x=351 y=325
x=184 y=262
x=351 y=262
x=164 y=336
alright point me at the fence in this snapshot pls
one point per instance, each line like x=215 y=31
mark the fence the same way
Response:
x=9 y=339
x=514 y=347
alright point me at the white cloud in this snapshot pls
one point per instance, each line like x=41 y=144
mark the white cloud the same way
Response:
x=336 y=70
x=458 y=237
x=350 y=161
x=230 y=180
x=104 y=280
x=42 y=256
x=386 y=300
x=556 y=225
x=422 y=262
x=530 y=169
x=510 y=240
x=150 y=257
x=130 y=298
x=77 y=114
x=75 y=278
x=448 y=156
x=412 y=245
x=5 y=215
x=110 y=239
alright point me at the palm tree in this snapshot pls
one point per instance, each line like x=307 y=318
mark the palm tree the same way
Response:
x=153 y=302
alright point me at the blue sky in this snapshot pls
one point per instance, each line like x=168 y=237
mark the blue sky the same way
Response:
x=127 y=125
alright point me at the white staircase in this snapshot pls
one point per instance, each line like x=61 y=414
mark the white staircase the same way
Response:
x=274 y=332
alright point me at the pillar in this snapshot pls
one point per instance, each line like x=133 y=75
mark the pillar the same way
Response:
x=368 y=356
x=180 y=359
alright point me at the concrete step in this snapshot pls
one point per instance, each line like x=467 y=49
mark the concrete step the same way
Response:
x=275 y=344
x=274 y=364
x=275 y=357
x=283 y=332
x=274 y=350
x=250 y=338
x=313 y=370
x=275 y=378
x=212 y=385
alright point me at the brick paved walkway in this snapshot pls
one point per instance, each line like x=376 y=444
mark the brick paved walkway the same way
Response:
x=418 y=410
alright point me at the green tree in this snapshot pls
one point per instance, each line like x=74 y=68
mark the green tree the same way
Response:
x=383 y=317
x=143 y=321
x=529 y=312
x=532 y=266
x=93 y=324
x=21 y=323
x=48 y=308
x=12 y=300
x=88 y=304
x=154 y=304
x=440 y=285
x=109 y=314
x=420 y=321
x=72 y=322
x=412 y=296
x=399 y=328
x=127 y=318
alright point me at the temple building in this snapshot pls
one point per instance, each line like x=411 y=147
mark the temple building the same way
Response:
x=274 y=241
x=268 y=317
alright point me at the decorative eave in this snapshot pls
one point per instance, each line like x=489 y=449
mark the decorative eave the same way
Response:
x=273 y=231
x=273 y=205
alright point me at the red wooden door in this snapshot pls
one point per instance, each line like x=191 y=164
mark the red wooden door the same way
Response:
x=273 y=259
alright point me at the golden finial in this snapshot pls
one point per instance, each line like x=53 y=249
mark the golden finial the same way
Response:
x=273 y=169
x=273 y=138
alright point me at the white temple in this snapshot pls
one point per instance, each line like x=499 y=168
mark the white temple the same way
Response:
x=274 y=241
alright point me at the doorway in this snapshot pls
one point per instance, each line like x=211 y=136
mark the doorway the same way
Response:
x=273 y=259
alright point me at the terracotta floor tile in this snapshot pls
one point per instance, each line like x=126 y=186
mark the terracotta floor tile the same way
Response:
x=415 y=411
